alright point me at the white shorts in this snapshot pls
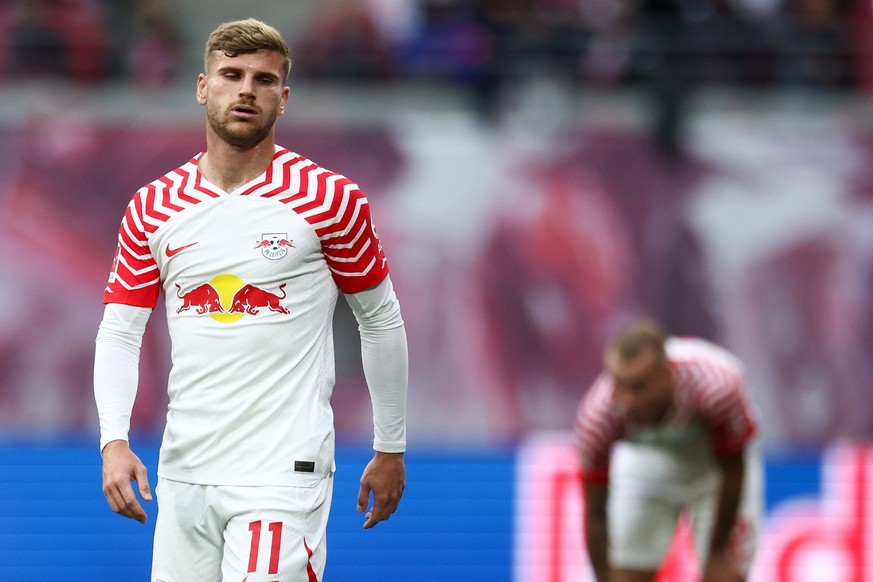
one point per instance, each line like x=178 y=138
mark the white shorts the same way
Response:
x=233 y=534
x=644 y=513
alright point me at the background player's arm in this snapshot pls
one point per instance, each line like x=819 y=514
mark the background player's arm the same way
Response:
x=386 y=363
x=721 y=565
x=596 y=429
x=734 y=426
x=596 y=538
x=116 y=375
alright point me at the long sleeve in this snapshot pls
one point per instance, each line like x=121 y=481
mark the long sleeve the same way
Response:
x=116 y=368
x=385 y=359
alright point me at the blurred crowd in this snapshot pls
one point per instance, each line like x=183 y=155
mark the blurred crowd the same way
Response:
x=484 y=43
x=90 y=41
x=481 y=44
x=666 y=47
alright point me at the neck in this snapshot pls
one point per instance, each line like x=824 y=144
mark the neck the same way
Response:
x=229 y=168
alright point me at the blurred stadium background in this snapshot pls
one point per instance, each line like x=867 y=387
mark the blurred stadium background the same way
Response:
x=541 y=171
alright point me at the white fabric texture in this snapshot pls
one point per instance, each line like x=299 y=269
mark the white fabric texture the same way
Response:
x=116 y=368
x=210 y=532
x=385 y=359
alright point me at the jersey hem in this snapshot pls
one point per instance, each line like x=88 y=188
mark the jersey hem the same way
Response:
x=277 y=480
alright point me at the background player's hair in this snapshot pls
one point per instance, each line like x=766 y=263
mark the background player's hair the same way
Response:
x=632 y=339
x=246 y=36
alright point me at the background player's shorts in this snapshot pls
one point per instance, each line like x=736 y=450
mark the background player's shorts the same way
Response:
x=644 y=513
x=236 y=534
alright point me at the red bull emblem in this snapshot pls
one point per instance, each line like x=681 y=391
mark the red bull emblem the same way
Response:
x=204 y=298
x=251 y=300
x=274 y=245
x=227 y=298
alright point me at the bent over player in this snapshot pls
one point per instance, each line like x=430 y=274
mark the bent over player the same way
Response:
x=250 y=244
x=677 y=412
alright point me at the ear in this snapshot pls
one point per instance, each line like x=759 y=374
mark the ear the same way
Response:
x=286 y=94
x=201 y=89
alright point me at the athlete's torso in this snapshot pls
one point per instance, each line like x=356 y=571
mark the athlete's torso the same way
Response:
x=250 y=281
x=710 y=415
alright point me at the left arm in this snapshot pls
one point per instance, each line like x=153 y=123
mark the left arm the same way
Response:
x=721 y=565
x=734 y=425
x=733 y=469
x=386 y=367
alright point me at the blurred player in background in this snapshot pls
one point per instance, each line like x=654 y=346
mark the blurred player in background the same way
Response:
x=251 y=245
x=684 y=430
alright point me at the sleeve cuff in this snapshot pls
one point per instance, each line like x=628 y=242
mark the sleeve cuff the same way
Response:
x=389 y=447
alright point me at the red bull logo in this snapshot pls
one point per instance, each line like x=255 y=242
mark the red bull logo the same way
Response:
x=251 y=299
x=204 y=299
x=227 y=298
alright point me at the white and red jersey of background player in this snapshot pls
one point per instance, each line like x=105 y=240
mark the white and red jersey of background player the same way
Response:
x=250 y=281
x=710 y=404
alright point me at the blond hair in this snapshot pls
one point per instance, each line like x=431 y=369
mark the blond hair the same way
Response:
x=246 y=36
x=633 y=339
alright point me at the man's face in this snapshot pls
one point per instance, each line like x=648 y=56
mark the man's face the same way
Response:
x=243 y=96
x=643 y=386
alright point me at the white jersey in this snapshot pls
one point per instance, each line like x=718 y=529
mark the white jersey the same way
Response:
x=250 y=281
x=711 y=415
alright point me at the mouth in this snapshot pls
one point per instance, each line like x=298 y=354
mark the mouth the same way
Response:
x=636 y=417
x=243 y=111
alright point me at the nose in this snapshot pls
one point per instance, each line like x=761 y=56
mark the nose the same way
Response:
x=625 y=401
x=247 y=87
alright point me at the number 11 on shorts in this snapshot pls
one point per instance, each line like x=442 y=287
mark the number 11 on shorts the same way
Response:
x=276 y=532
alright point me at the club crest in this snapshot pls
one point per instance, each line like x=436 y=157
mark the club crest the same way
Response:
x=274 y=245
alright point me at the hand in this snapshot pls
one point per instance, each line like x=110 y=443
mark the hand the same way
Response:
x=385 y=477
x=722 y=567
x=120 y=468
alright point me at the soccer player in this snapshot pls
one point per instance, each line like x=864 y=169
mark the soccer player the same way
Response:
x=677 y=412
x=251 y=244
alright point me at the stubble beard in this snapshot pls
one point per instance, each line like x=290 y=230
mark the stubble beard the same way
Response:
x=238 y=134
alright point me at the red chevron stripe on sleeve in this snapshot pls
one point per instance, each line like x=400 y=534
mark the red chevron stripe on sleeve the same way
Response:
x=340 y=214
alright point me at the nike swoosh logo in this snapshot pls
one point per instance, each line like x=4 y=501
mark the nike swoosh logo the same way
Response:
x=170 y=252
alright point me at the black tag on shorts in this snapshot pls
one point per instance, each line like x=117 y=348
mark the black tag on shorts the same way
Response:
x=304 y=466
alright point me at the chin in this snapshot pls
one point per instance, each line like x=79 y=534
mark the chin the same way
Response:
x=246 y=139
x=640 y=420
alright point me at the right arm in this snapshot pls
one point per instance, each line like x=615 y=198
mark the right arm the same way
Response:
x=116 y=375
x=595 y=430
x=596 y=529
x=385 y=358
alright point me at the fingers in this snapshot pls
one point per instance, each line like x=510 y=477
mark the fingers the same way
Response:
x=371 y=521
x=120 y=469
x=131 y=507
x=142 y=480
x=363 y=497
x=384 y=504
x=123 y=500
x=385 y=477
